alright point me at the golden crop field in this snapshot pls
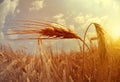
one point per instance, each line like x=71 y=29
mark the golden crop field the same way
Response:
x=59 y=40
x=91 y=64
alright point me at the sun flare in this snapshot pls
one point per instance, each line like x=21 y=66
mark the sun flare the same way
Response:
x=115 y=33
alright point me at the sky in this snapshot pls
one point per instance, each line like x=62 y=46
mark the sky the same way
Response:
x=75 y=14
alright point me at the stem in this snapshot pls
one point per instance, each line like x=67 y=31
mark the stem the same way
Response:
x=85 y=35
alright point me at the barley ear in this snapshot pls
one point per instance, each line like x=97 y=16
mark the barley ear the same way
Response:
x=101 y=40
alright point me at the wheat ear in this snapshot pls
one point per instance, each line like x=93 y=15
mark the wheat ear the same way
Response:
x=50 y=31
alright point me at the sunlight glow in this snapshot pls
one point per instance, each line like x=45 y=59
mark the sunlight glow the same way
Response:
x=115 y=33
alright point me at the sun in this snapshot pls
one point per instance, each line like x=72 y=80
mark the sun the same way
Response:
x=115 y=33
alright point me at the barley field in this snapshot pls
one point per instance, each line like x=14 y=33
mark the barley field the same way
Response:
x=91 y=64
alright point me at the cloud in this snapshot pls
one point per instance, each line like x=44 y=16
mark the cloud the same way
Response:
x=6 y=7
x=87 y=19
x=13 y=5
x=60 y=19
x=108 y=5
x=37 y=5
x=79 y=19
